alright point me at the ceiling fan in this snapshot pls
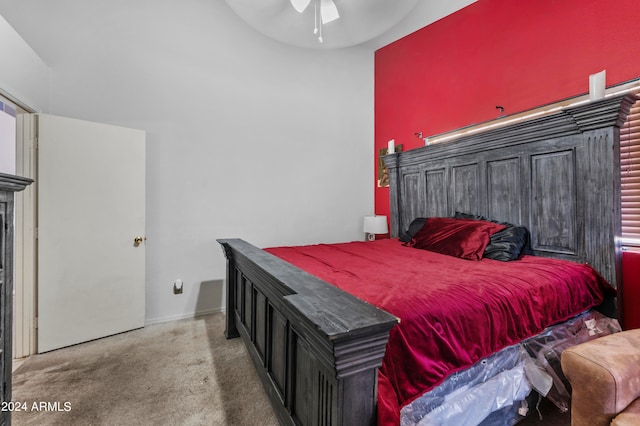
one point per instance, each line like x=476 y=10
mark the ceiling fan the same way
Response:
x=328 y=12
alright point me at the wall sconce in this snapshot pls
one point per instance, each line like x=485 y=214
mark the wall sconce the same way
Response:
x=391 y=146
x=375 y=225
x=419 y=135
x=597 y=84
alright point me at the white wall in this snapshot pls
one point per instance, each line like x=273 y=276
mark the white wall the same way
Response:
x=7 y=143
x=23 y=75
x=246 y=137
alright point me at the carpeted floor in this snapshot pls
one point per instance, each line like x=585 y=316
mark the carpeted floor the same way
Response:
x=176 y=373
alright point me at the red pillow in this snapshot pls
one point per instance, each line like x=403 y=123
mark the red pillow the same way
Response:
x=463 y=238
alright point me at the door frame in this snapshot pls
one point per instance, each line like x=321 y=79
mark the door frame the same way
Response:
x=25 y=266
x=25 y=212
x=24 y=302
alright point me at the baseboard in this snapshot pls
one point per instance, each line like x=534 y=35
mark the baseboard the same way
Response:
x=191 y=315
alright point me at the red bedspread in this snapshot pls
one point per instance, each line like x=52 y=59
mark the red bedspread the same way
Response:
x=453 y=312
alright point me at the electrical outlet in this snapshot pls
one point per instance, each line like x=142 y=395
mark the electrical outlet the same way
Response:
x=177 y=286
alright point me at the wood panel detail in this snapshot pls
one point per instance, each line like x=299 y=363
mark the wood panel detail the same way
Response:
x=246 y=302
x=414 y=196
x=277 y=365
x=326 y=400
x=436 y=185
x=553 y=204
x=465 y=189
x=303 y=383
x=261 y=322
x=503 y=182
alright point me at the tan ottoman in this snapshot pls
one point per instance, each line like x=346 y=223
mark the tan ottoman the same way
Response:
x=605 y=377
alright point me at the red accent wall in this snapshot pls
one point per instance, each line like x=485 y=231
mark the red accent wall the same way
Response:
x=517 y=54
x=631 y=289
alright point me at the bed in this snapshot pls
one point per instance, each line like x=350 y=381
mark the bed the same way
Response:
x=318 y=348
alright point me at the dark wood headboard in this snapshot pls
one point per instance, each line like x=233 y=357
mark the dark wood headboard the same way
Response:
x=558 y=175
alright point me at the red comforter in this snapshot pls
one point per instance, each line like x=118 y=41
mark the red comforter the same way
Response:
x=453 y=312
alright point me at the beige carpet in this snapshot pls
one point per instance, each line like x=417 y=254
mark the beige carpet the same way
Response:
x=177 y=373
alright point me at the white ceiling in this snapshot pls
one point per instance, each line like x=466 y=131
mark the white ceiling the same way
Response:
x=372 y=23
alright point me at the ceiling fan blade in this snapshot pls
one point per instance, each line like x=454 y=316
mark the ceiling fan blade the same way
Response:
x=300 y=5
x=328 y=11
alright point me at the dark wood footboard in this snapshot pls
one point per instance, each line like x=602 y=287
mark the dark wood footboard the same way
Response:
x=316 y=348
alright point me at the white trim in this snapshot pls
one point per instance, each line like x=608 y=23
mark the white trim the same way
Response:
x=24 y=336
x=185 y=316
x=630 y=242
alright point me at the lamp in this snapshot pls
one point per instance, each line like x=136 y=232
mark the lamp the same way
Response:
x=375 y=225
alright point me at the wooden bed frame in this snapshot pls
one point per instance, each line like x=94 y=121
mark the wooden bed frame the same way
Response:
x=317 y=349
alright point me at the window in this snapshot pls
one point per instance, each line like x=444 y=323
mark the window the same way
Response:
x=630 y=177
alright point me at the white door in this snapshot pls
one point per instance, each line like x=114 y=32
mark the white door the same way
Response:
x=91 y=208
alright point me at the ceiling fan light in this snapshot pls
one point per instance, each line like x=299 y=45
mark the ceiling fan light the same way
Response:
x=328 y=11
x=300 y=5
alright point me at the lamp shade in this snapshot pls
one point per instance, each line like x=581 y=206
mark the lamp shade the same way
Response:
x=375 y=225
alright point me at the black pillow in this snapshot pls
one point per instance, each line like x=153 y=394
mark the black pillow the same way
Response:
x=414 y=227
x=504 y=245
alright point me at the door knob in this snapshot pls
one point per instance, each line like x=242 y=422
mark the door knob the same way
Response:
x=138 y=240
